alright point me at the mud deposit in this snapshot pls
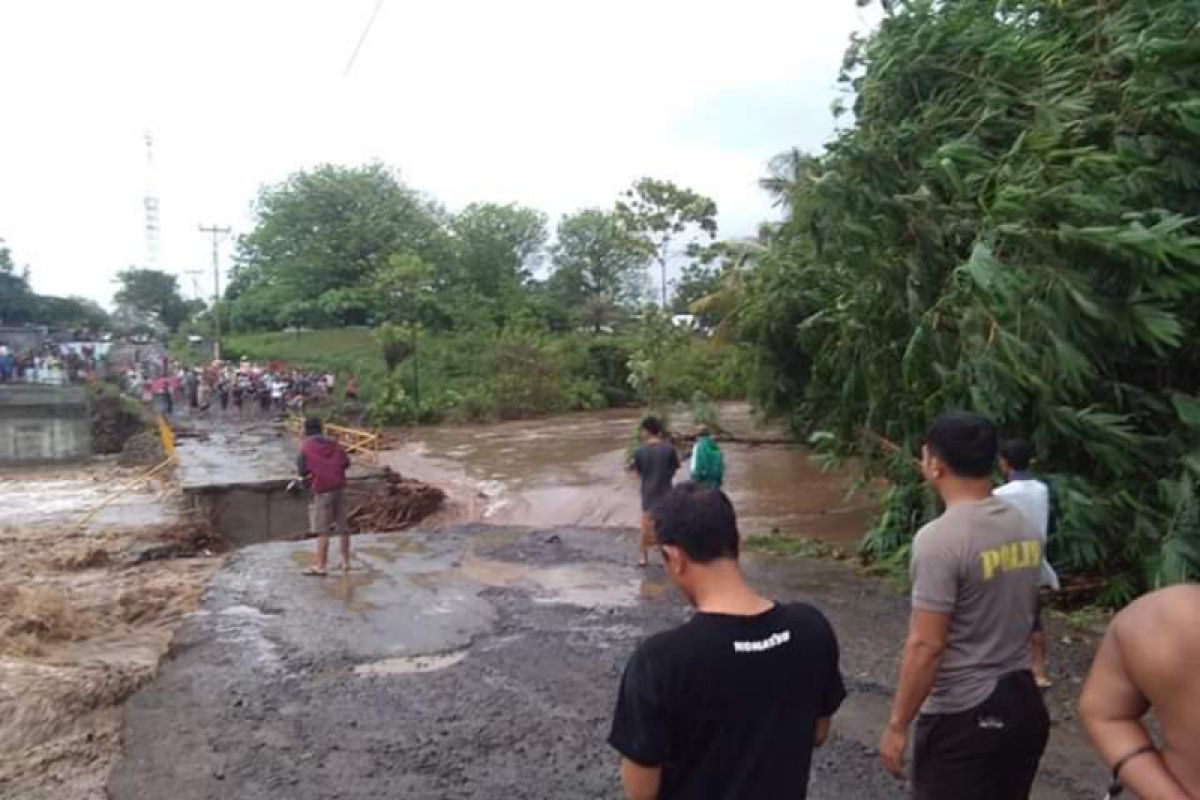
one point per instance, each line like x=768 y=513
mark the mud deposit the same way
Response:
x=480 y=663
x=85 y=615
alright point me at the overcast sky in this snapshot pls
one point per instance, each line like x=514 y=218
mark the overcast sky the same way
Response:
x=555 y=104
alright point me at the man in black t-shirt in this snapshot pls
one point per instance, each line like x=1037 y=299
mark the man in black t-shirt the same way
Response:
x=656 y=463
x=731 y=704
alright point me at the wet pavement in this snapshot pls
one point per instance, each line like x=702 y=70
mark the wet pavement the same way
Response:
x=571 y=471
x=236 y=452
x=481 y=662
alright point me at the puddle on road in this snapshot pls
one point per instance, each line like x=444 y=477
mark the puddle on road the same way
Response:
x=588 y=585
x=394 y=548
x=346 y=587
x=409 y=665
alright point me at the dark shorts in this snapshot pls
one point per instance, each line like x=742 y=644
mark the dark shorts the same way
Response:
x=1037 y=617
x=990 y=752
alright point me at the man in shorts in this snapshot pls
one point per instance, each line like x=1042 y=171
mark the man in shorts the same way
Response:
x=323 y=463
x=1032 y=498
x=732 y=703
x=1148 y=660
x=975 y=571
x=656 y=463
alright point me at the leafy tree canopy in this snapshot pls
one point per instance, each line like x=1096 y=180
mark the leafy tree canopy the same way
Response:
x=16 y=298
x=20 y=304
x=1008 y=225
x=153 y=295
x=496 y=247
x=599 y=266
x=329 y=230
x=666 y=216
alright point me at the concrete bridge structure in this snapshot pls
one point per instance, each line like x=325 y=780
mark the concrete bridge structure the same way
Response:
x=44 y=423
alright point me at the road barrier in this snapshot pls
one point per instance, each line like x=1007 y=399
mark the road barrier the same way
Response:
x=359 y=443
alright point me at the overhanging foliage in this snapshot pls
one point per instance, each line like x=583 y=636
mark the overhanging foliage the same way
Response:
x=1009 y=225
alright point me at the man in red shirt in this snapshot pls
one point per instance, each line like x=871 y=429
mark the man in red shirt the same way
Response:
x=323 y=463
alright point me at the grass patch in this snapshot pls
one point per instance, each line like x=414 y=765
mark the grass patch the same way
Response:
x=778 y=544
x=305 y=349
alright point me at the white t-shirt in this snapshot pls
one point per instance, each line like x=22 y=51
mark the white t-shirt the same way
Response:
x=1032 y=498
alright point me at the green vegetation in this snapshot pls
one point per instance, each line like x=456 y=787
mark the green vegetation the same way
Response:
x=778 y=544
x=19 y=304
x=1008 y=224
x=480 y=375
x=147 y=298
x=459 y=317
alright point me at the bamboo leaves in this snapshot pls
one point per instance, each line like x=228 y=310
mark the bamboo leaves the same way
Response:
x=1010 y=224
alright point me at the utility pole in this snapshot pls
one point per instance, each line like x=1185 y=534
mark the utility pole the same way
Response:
x=216 y=231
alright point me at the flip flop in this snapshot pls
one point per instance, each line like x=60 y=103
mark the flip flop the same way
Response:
x=1043 y=682
x=317 y=573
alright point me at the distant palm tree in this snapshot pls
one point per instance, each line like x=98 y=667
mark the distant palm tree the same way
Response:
x=728 y=301
x=784 y=172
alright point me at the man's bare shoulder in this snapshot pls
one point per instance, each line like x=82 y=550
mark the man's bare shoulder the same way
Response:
x=1174 y=605
x=1162 y=623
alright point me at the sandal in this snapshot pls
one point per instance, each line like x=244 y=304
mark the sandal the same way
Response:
x=316 y=572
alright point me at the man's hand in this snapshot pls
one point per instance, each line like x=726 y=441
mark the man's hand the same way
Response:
x=891 y=750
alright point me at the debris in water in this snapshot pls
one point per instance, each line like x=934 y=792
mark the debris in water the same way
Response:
x=400 y=503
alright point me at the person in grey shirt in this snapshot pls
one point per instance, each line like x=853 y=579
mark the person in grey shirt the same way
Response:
x=655 y=462
x=975 y=572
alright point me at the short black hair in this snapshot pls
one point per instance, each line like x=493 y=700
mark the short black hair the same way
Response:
x=699 y=520
x=313 y=426
x=1017 y=452
x=652 y=426
x=965 y=441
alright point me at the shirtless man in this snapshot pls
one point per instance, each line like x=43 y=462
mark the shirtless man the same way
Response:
x=1148 y=660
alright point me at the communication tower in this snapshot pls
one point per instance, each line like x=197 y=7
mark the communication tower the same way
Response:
x=150 y=203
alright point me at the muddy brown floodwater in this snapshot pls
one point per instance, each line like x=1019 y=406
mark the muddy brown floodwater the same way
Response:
x=86 y=612
x=570 y=471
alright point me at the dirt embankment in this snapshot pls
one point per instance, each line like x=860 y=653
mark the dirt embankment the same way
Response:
x=85 y=616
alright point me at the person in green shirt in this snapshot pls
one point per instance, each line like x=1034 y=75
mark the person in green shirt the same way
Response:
x=708 y=465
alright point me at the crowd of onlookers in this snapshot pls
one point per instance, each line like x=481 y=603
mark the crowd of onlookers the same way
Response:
x=225 y=388
x=52 y=364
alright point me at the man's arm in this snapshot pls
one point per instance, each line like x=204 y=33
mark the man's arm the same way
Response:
x=1111 y=709
x=822 y=735
x=641 y=783
x=927 y=633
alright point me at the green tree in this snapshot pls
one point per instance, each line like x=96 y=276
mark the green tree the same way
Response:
x=719 y=297
x=1009 y=226
x=405 y=288
x=153 y=295
x=73 y=312
x=17 y=300
x=598 y=266
x=664 y=216
x=495 y=248
x=329 y=230
x=655 y=340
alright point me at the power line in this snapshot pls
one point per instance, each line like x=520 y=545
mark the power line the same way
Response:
x=363 y=38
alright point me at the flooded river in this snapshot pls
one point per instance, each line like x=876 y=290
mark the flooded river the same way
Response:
x=570 y=471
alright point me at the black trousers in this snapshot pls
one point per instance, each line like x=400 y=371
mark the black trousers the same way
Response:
x=990 y=752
